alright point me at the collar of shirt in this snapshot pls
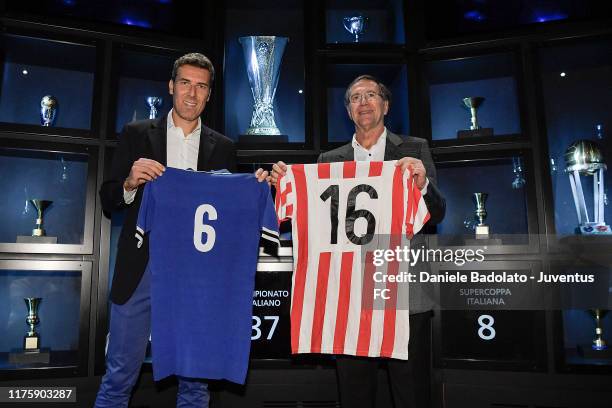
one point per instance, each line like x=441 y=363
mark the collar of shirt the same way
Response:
x=182 y=151
x=375 y=153
x=170 y=125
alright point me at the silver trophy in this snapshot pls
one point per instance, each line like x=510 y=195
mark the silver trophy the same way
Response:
x=599 y=343
x=479 y=199
x=31 y=340
x=584 y=158
x=154 y=103
x=599 y=131
x=517 y=169
x=476 y=223
x=263 y=56
x=48 y=110
x=355 y=25
x=473 y=103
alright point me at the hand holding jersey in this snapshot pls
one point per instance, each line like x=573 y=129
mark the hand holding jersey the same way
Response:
x=414 y=166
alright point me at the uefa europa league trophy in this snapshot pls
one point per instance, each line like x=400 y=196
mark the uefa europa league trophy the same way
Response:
x=473 y=103
x=584 y=158
x=32 y=352
x=38 y=234
x=48 y=110
x=263 y=56
x=355 y=25
x=154 y=103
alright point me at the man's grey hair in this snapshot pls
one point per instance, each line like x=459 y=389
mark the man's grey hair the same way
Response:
x=196 y=59
x=385 y=94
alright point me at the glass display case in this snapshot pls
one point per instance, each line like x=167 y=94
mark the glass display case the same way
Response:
x=44 y=315
x=484 y=192
x=142 y=84
x=270 y=335
x=358 y=22
x=49 y=195
x=265 y=95
x=584 y=324
x=46 y=82
x=473 y=98
x=576 y=81
x=340 y=128
x=484 y=325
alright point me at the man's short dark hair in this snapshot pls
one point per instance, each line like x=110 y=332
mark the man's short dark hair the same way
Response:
x=385 y=94
x=196 y=59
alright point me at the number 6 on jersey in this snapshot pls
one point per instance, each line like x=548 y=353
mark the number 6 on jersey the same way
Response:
x=200 y=228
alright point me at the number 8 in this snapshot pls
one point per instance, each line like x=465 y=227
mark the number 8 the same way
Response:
x=488 y=325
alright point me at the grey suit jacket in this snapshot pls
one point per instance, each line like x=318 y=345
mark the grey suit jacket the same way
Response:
x=421 y=295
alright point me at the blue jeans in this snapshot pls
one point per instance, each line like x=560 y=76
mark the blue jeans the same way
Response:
x=130 y=326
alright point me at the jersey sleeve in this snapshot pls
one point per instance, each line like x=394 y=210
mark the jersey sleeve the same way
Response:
x=145 y=213
x=268 y=220
x=285 y=197
x=417 y=213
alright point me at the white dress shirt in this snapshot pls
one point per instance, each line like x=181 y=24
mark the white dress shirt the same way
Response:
x=181 y=150
x=376 y=153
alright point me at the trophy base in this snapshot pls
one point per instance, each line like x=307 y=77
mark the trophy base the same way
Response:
x=482 y=132
x=252 y=139
x=480 y=241
x=587 y=351
x=594 y=230
x=29 y=356
x=27 y=239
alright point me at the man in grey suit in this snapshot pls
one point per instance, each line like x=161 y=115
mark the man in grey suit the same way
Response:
x=367 y=102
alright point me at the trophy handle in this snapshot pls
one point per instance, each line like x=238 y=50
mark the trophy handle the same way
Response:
x=346 y=27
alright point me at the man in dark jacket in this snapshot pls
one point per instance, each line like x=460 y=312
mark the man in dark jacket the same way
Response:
x=145 y=148
x=367 y=102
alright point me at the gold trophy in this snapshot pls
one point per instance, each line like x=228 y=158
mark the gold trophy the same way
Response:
x=31 y=341
x=32 y=352
x=41 y=206
x=473 y=103
x=38 y=234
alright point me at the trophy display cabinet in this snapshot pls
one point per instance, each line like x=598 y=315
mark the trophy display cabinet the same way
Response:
x=513 y=100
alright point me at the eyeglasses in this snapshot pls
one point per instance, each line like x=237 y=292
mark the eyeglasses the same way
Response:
x=185 y=85
x=358 y=98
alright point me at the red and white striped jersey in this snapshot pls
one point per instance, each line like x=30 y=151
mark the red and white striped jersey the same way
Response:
x=340 y=212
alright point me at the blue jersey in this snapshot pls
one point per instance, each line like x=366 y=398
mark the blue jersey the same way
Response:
x=204 y=231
